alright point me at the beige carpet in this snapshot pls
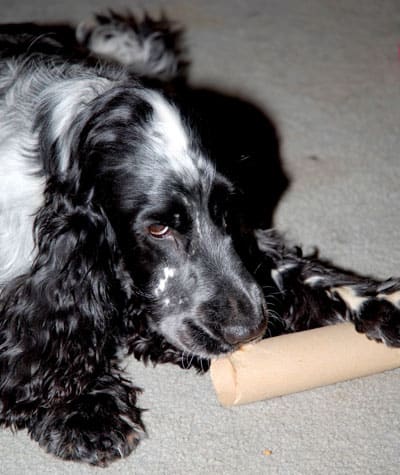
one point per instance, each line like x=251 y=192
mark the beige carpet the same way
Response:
x=329 y=73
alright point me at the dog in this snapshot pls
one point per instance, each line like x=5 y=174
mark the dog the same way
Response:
x=120 y=235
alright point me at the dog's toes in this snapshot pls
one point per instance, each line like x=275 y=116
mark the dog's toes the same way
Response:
x=380 y=320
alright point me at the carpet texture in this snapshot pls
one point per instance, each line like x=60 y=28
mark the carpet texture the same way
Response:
x=329 y=75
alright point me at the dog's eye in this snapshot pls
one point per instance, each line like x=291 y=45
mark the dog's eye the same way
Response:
x=158 y=230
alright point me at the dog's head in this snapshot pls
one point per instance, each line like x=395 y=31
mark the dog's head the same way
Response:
x=171 y=213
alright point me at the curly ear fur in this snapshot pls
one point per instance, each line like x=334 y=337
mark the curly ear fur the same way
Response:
x=55 y=319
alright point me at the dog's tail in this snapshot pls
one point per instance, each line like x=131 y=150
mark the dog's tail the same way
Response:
x=147 y=47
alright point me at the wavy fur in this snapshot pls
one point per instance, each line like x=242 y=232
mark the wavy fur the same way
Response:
x=118 y=235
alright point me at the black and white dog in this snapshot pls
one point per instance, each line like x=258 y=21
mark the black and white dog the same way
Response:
x=118 y=235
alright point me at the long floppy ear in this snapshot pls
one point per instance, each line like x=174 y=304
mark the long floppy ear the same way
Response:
x=59 y=320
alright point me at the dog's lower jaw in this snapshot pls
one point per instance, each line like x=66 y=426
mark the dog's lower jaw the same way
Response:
x=149 y=346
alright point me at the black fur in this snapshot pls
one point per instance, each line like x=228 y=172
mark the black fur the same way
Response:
x=137 y=249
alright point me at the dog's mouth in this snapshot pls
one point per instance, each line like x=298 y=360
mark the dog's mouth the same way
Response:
x=204 y=343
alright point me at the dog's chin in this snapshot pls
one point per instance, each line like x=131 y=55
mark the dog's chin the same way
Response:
x=204 y=349
x=200 y=344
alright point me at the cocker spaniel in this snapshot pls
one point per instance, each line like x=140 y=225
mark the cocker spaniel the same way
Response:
x=122 y=233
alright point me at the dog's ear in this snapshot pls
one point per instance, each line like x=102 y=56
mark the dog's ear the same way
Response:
x=60 y=317
x=75 y=268
x=61 y=320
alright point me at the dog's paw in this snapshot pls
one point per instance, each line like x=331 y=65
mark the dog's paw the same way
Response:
x=377 y=314
x=96 y=429
x=380 y=320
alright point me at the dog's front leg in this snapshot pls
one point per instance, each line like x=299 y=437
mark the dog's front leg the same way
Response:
x=308 y=292
x=64 y=388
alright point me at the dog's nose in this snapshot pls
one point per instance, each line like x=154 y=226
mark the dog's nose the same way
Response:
x=240 y=334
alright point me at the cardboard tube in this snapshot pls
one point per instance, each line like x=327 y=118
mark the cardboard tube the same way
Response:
x=298 y=361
